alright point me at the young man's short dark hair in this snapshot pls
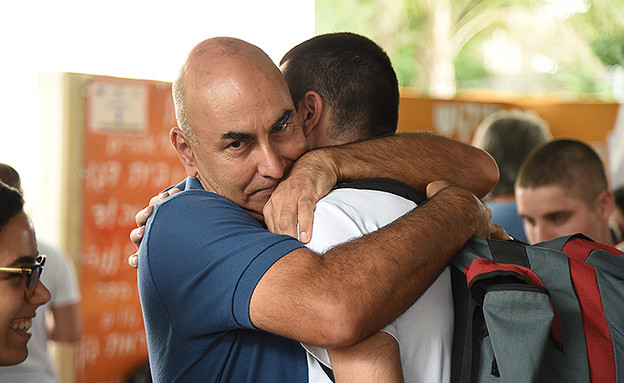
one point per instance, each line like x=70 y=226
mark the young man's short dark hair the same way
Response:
x=568 y=163
x=354 y=76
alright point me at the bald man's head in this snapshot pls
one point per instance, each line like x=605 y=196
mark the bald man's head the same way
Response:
x=215 y=67
x=238 y=129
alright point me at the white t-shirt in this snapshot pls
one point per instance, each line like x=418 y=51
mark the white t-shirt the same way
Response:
x=425 y=331
x=60 y=278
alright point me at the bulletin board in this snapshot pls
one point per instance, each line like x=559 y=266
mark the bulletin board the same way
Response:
x=127 y=158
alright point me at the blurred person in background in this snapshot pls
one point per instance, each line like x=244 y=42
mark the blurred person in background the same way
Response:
x=509 y=136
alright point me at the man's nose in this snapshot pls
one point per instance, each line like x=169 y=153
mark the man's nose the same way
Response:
x=271 y=163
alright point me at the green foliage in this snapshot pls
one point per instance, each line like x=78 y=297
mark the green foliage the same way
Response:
x=404 y=65
x=402 y=28
x=609 y=50
x=345 y=15
x=469 y=63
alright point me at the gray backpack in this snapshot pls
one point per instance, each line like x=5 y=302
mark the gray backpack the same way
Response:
x=550 y=312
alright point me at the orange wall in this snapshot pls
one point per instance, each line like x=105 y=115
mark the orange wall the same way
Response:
x=458 y=118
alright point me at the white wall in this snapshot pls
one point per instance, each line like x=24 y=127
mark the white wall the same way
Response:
x=146 y=39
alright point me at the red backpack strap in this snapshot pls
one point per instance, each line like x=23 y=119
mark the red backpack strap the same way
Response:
x=597 y=336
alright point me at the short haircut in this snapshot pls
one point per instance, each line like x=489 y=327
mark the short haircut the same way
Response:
x=354 y=76
x=570 y=164
x=10 y=176
x=11 y=204
x=509 y=136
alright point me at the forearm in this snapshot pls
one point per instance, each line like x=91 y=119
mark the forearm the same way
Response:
x=358 y=287
x=413 y=158
x=375 y=359
x=403 y=259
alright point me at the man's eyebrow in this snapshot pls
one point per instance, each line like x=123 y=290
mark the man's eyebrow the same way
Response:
x=283 y=118
x=557 y=213
x=238 y=136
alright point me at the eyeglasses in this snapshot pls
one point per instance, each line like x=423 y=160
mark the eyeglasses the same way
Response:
x=32 y=275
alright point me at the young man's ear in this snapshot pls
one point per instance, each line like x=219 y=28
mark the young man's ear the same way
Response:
x=183 y=147
x=310 y=110
x=605 y=204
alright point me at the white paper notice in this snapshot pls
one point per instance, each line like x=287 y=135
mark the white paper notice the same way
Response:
x=117 y=108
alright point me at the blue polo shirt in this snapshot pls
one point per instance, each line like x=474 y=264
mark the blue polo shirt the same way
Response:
x=199 y=262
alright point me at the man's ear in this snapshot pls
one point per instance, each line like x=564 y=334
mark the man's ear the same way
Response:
x=185 y=151
x=605 y=204
x=310 y=110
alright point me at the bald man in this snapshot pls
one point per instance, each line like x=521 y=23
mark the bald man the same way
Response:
x=225 y=299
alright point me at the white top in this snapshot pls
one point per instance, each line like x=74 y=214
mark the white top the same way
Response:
x=60 y=278
x=425 y=331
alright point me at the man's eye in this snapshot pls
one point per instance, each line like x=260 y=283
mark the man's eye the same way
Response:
x=281 y=126
x=560 y=219
x=235 y=144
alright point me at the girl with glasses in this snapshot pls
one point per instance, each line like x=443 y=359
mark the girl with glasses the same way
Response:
x=20 y=268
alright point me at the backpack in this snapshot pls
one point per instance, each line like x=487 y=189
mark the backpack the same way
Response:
x=550 y=312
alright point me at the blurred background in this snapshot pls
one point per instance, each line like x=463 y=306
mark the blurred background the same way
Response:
x=568 y=48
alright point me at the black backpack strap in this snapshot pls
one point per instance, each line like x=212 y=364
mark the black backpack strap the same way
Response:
x=387 y=185
x=468 y=326
x=513 y=252
x=328 y=371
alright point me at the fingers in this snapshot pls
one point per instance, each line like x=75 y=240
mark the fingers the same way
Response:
x=267 y=212
x=292 y=217
x=286 y=221
x=483 y=225
x=141 y=217
x=136 y=235
x=306 y=217
x=133 y=260
x=157 y=198
x=280 y=214
x=173 y=191
x=435 y=186
x=497 y=232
